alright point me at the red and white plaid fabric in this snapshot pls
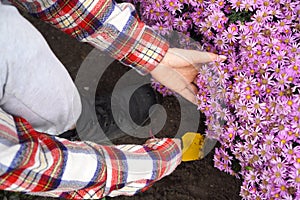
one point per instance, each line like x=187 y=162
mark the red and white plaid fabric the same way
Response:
x=113 y=28
x=39 y=164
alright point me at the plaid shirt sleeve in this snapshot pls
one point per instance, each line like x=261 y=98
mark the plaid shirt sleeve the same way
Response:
x=111 y=27
x=39 y=164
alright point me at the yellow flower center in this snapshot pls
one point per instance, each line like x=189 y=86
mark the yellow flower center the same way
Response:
x=281 y=93
x=264 y=81
x=259 y=19
x=266 y=3
x=281 y=127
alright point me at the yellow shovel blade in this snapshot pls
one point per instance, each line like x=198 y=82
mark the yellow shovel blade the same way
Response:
x=192 y=146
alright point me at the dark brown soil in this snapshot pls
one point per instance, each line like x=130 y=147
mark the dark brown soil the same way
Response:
x=197 y=180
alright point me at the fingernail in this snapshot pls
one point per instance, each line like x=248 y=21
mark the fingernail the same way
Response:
x=222 y=57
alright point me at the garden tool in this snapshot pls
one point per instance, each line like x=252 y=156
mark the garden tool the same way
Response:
x=193 y=146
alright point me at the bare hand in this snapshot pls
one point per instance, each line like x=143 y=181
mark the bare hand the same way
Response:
x=178 y=70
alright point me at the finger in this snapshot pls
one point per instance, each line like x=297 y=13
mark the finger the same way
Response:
x=195 y=81
x=189 y=93
x=194 y=56
x=202 y=57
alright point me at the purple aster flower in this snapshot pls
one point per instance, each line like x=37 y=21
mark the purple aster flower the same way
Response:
x=150 y=11
x=180 y=24
x=282 y=82
x=173 y=5
x=268 y=140
x=295 y=124
x=162 y=28
x=161 y=89
x=220 y=27
x=294 y=176
x=231 y=37
x=233 y=28
x=252 y=177
x=246 y=5
x=264 y=152
x=265 y=3
x=274 y=11
x=289 y=152
x=210 y=35
x=220 y=3
x=287 y=196
x=279 y=163
x=197 y=3
x=283 y=25
x=279 y=57
x=279 y=175
x=236 y=4
x=221 y=42
x=267 y=80
x=165 y=15
x=196 y=16
x=261 y=17
x=282 y=189
x=227 y=9
x=257 y=106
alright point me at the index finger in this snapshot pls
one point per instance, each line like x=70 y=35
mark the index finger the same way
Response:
x=194 y=56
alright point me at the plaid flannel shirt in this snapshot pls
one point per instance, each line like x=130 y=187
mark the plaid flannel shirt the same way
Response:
x=110 y=27
x=36 y=163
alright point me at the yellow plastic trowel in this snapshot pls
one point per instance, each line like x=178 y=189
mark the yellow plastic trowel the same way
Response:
x=193 y=144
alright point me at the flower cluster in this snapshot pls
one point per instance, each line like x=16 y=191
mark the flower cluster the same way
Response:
x=252 y=100
x=161 y=88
